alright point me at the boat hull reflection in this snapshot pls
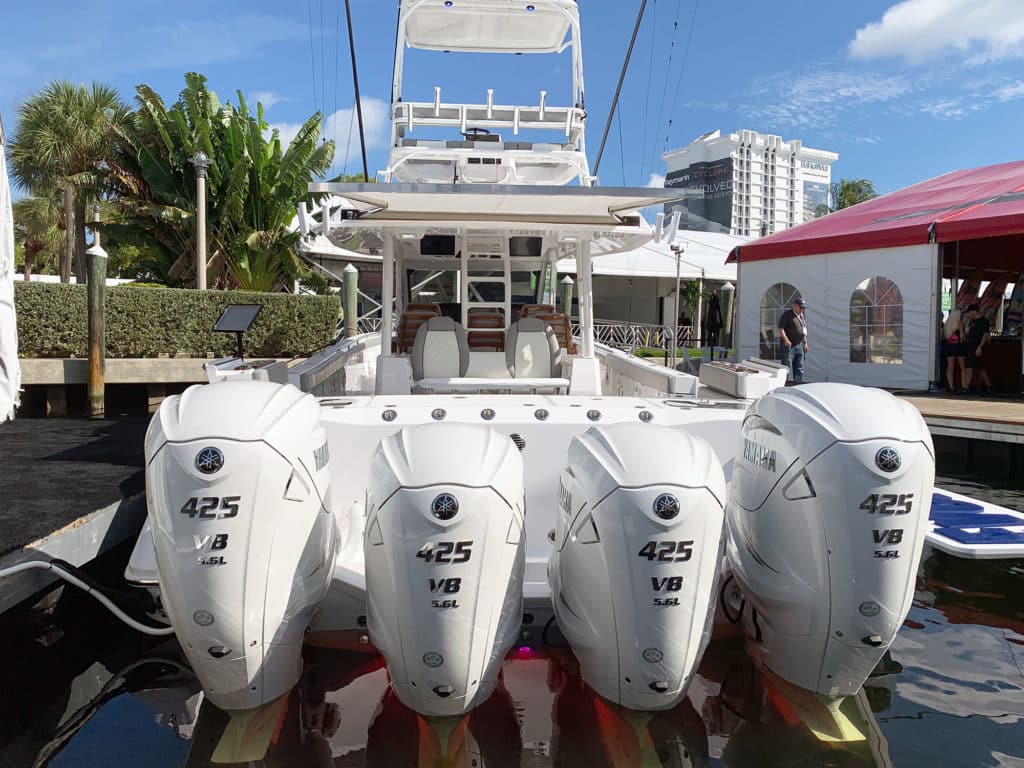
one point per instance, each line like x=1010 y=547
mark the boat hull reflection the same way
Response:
x=542 y=713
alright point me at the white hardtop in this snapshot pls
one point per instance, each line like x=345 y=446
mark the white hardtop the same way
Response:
x=478 y=26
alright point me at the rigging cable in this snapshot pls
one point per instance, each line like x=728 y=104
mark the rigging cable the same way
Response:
x=679 y=82
x=337 y=57
x=618 y=89
x=323 y=69
x=668 y=70
x=622 y=152
x=312 y=56
x=355 y=83
x=647 y=96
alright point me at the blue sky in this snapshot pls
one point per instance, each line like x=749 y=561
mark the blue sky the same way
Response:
x=902 y=91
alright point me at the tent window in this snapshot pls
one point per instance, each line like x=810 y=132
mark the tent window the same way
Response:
x=775 y=301
x=876 y=322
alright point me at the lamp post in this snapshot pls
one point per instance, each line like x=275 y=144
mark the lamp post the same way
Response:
x=677 y=249
x=202 y=162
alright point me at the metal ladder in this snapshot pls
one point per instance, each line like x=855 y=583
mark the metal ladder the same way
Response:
x=483 y=253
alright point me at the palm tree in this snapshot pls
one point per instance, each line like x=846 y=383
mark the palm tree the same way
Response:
x=253 y=183
x=65 y=137
x=38 y=226
x=845 y=193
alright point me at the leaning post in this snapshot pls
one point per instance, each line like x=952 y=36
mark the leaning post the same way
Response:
x=351 y=278
x=97 y=266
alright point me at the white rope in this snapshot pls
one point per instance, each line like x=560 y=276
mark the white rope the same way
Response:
x=75 y=581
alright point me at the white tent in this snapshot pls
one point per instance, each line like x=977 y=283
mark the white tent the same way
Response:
x=10 y=370
x=703 y=257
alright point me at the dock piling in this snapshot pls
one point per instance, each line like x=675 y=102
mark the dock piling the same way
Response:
x=96 y=385
x=351 y=278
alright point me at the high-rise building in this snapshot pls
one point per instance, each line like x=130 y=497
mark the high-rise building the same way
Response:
x=748 y=183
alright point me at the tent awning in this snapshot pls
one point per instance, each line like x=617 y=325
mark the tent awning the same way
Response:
x=595 y=206
x=703 y=258
x=960 y=205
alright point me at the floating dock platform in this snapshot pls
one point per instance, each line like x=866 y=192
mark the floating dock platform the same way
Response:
x=69 y=489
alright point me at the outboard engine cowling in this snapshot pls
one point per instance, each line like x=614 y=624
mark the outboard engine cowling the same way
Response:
x=635 y=568
x=237 y=495
x=445 y=554
x=825 y=524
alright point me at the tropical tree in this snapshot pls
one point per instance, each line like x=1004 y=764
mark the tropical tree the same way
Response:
x=39 y=229
x=845 y=193
x=253 y=187
x=65 y=136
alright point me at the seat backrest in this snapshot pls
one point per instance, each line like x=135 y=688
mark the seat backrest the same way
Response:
x=408 y=323
x=532 y=351
x=424 y=307
x=529 y=310
x=486 y=311
x=562 y=327
x=440 y=351
x=494 y=337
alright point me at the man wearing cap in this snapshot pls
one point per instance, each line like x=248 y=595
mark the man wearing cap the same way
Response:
x=793 y=337
x=978 y=335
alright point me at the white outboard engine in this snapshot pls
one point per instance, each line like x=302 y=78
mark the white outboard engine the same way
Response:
x=237 y=491
x=635 y=568
x=445 y=553
x=825 y=525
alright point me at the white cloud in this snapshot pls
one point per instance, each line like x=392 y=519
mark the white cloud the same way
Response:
x=656 y=180
x=338 y=125
x=915 y=30
x=1010 y=91
x=267 y=98
x=946 y=109
x=816 y=100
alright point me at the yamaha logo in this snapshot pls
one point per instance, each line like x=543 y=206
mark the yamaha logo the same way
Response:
x=652 y=655
x=444 y=506
x=433 y=659
x=666 y=506
x=888 y=459
x=209 y=460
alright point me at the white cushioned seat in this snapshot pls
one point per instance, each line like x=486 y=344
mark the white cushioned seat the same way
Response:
x=441 y=350
x=532 y=351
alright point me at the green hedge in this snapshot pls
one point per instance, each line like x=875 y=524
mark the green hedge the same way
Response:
x=52 y=322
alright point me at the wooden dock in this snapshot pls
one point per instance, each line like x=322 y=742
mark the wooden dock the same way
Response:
x=996 y=419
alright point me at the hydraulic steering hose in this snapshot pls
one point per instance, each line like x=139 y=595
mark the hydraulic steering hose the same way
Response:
x=58 y=570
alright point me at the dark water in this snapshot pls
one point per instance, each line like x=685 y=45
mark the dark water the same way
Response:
x=77 y=690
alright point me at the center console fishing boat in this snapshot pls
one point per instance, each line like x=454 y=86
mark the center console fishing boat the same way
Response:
x=481 y=469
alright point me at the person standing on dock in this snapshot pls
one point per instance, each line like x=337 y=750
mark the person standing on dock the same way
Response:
x=955 y=347
x=793 y=335
x=978 y=335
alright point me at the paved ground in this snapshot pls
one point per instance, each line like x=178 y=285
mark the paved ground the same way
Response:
x=53 y=471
